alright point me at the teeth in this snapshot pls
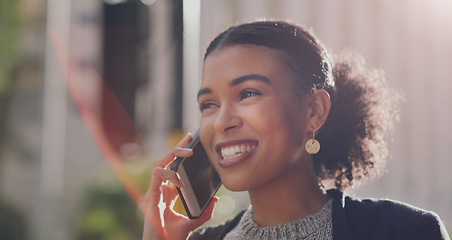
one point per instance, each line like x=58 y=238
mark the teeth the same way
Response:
x=235 y=151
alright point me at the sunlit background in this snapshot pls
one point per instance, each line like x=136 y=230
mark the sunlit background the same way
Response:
x=92 y=92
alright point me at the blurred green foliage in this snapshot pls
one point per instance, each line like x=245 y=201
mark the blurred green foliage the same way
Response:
x=12 y=222
x=109 y=213
x=9 y=35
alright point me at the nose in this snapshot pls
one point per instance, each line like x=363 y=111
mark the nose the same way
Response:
x=227 y=119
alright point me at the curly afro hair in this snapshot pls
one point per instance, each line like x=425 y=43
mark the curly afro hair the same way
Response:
x=363 y=112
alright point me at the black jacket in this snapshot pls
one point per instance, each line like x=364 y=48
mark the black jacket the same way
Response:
x=363 y=219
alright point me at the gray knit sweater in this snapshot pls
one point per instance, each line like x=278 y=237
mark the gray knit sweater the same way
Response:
x=316 y=226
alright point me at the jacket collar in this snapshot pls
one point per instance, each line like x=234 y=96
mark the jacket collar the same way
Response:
x=341 y=228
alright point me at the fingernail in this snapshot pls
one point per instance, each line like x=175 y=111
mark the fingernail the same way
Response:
x=187 y=151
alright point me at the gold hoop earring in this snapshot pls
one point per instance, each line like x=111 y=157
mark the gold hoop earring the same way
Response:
x=312 y=146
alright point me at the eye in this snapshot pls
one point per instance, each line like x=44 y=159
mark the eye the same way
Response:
x=206 y=105
x=249 y=93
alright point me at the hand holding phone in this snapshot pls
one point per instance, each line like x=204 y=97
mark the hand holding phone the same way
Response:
x=170 y=225
x=200 y=179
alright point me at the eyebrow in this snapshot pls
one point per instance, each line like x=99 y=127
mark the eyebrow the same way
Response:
x=249 y=77
x=237 y=81
x=203 y=91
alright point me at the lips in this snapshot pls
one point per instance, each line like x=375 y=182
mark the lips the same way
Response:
x=234 y=153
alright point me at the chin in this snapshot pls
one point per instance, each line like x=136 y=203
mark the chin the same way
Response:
x=236 y=189
x=235 y=186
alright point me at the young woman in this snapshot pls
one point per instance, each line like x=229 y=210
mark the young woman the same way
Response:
x=270 y=90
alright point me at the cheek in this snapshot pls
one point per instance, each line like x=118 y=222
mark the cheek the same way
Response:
x=273 y=117
x=206 y=133
x=206 y=126
x=286 y=122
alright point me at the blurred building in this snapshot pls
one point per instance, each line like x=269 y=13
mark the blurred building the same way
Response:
x=112 y=68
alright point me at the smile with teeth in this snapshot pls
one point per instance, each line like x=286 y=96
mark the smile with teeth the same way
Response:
x=235 y=151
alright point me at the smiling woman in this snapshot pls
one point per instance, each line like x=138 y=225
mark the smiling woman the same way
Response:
x=268 y=114
x=267 y=89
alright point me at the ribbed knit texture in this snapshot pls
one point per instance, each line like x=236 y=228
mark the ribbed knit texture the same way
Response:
x=316 y=226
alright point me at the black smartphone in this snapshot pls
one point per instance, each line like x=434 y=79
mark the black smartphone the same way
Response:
x=200 y=179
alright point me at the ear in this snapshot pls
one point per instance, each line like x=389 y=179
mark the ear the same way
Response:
x=319 y=104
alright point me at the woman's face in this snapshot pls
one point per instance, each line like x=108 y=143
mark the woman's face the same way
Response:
x=253 y=124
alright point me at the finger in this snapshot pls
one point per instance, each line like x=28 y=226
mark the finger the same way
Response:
x=169 y=194
x=184 y=141
x=178 y=151
x=160 y=175
x=171 y=155
x=207 y=214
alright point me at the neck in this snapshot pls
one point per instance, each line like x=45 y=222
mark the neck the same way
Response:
x=294 y=195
